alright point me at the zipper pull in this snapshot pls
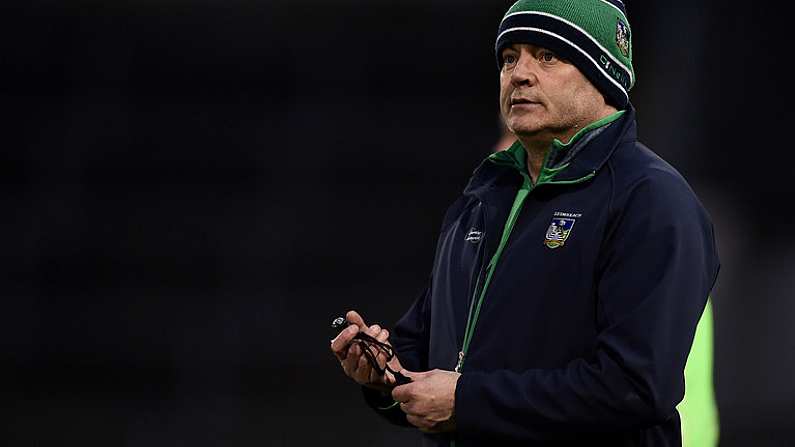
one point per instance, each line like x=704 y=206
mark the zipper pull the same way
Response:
x=460 y=362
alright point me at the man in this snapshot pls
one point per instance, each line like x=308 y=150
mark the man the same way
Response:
x=570 y=276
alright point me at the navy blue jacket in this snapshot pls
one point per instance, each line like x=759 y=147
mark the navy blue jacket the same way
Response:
x=588 y=313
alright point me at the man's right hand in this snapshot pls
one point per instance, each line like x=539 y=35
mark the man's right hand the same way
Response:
x=353 y=360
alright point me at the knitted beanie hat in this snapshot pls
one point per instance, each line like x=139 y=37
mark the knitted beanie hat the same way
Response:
x=594 y=35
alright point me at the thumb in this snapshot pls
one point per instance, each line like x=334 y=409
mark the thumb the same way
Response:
x=356 y=319
x=413 y=375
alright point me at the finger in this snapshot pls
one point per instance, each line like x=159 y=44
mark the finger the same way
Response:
x=381 y=359
x=345 y=351
x=347 y=360
x=389 y=379
x=377 y=377
x=395 y=363
x=383 y=336
x=414 y=376
x=355 y=319
x=363 y=368
x=418 y=422
x=340 y=343
x=351 y=362
x=373 y=330
x=402 y=393
x=375 y=373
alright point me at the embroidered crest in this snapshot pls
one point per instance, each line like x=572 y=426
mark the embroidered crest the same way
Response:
x=560 y=229
x=622 y=37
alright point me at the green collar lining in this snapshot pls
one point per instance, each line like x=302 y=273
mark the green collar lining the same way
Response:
x=516 y=156
x=594 y=125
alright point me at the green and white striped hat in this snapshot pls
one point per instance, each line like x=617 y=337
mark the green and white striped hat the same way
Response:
x=593 y=34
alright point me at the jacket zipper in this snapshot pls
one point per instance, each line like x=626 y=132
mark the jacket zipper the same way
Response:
x=472 y=301
x=478 y=297
x=474 y=311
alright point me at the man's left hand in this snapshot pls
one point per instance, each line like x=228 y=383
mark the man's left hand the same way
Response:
x=429 y=400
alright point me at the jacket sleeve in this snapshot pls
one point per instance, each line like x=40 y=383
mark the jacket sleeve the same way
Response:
x=657 y=266
x=409 y=337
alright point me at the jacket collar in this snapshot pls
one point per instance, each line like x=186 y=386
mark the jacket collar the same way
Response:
x=575 y=162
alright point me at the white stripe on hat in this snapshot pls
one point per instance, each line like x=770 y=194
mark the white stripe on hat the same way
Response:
x=543 y=31
x=617 y=8
x=578 y=28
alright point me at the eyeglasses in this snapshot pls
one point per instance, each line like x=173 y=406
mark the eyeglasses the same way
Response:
x=371 y=348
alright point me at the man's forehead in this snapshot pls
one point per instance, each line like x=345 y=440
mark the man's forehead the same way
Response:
x=517 y=46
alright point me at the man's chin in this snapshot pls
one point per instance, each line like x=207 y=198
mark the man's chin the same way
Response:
x=526 y=130
x=523 y=123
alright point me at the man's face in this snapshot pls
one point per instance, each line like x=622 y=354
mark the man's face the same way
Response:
x=544 y=97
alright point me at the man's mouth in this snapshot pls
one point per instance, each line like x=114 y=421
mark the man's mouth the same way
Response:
x=519 y=101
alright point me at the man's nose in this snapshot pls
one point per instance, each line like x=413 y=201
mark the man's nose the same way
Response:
x=525 y=72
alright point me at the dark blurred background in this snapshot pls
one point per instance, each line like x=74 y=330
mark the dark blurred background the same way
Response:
x=192 y=190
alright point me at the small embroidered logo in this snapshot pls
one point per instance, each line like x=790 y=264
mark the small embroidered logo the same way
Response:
x=474 y=236
x=560 y=229
x=622 y=37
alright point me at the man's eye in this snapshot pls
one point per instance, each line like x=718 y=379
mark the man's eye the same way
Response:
x=548 y=56
x=509 y=59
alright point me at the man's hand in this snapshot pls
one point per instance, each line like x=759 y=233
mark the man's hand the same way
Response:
x=429 y=400
x=353 y=360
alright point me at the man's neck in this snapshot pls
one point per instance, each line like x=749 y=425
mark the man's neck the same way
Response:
x=537 y=147
x=536 y=153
